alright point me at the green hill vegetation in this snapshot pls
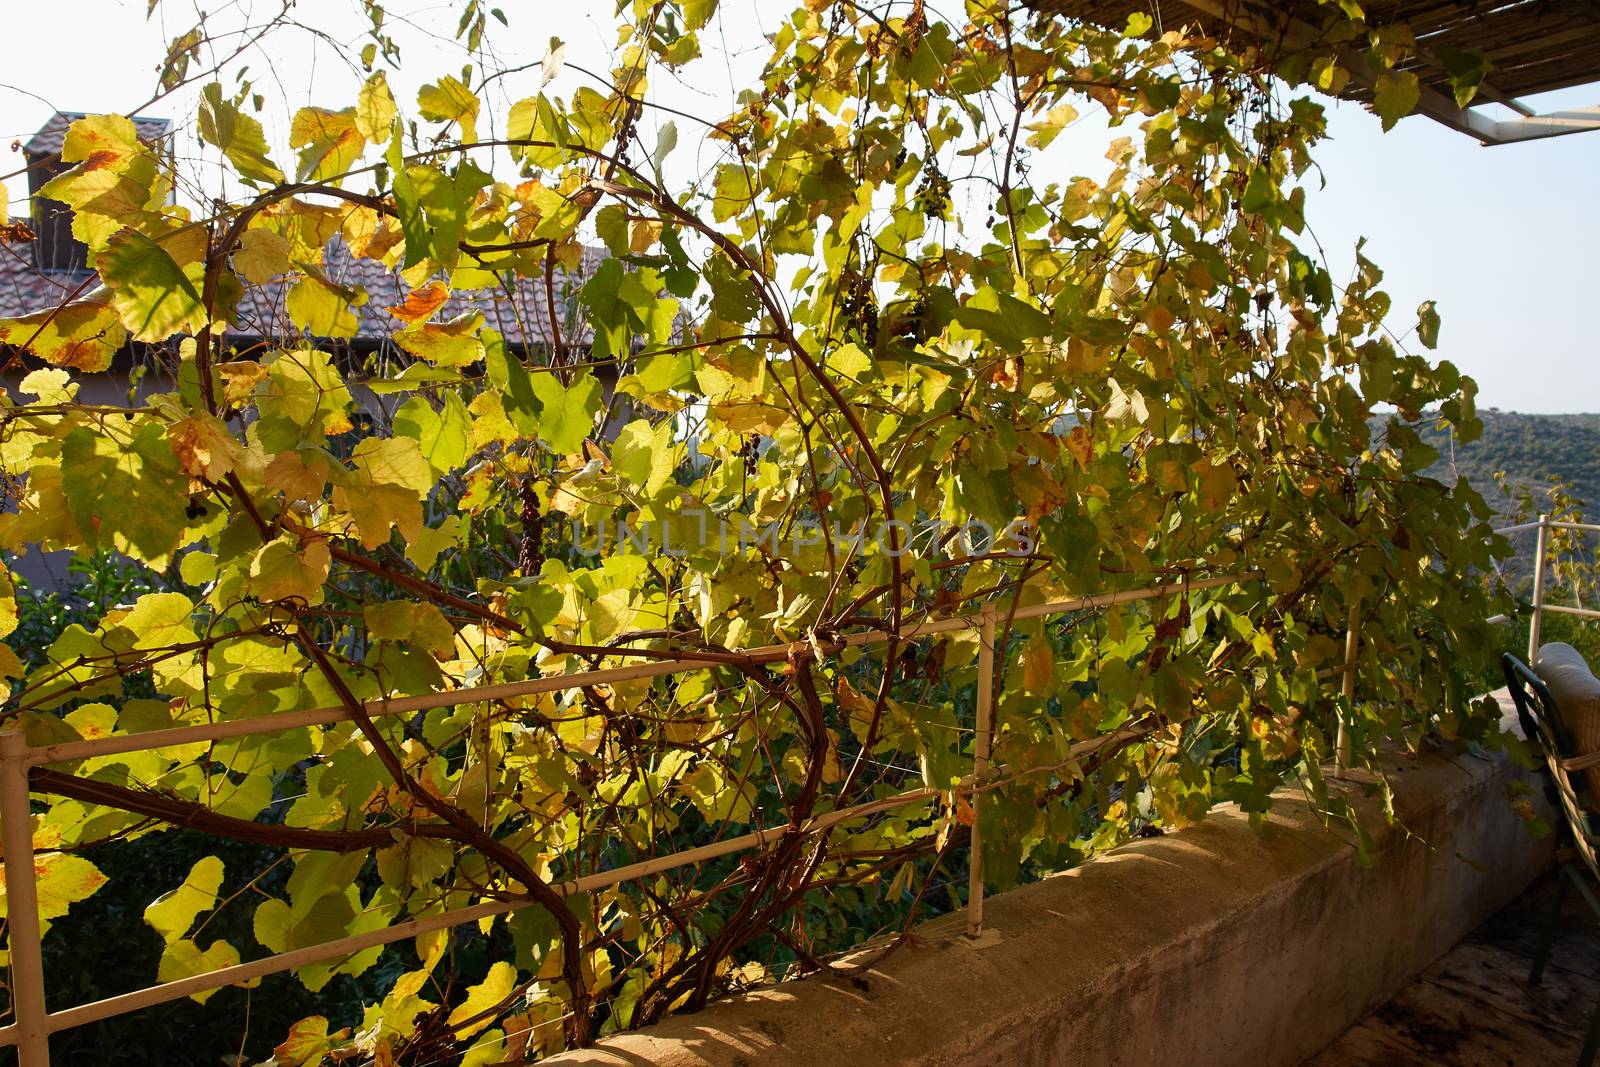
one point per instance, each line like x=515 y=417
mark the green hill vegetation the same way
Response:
x=1534 y=452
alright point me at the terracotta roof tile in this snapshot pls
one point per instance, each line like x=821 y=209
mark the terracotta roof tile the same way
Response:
x=521 y=315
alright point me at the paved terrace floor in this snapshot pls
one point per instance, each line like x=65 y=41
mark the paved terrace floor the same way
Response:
x=1474 y=1007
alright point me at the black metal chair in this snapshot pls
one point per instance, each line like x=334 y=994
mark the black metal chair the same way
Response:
x=1542 y=724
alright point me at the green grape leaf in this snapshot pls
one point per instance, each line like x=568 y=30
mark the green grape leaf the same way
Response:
x=155 y=297
x=240 y=136
x=1396 y=96
x=566 y=415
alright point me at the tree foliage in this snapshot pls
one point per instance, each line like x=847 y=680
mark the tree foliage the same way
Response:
x=1144 y=370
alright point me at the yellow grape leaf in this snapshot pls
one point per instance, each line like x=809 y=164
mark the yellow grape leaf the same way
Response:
x=322 y=308
x=261 y=256
x=496 y=986
x=240 y=136
x=300 y=477
x=379 y=506
x=8 y=603
x=184 y=959
x=487 y=1051
x=420 y=624
x=281 y=570
x=643 y=235
x=449 y=100
x=93 y=720
x=445 y=344
x=489 y=422
x=50 y=386
x=645 y=454
x=107 y=136
x=160 y=619
x=423 y=549
x=173 y=913
x=11 y=665
x=64 y=879
x=376 y=108
x=393 y=461
x=329 y=142
x=302 y=386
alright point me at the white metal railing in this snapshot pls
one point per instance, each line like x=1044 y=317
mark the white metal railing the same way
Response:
x=1538 y=608
x=33 y=1023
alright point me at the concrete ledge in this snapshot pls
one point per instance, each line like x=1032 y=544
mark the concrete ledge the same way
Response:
x=1214 y=945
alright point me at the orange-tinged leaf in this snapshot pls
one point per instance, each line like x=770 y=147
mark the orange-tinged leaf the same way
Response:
x=301 y=476
x=454 y=343
x=306 y=1042
x=62 y=880
x=421 y=303
x=93 y=720
x=204 y=447
x=84 y=334
x=643 y=234
x=239 y=381
x=102 y=135
x=1080 y=445
x=1038 y=665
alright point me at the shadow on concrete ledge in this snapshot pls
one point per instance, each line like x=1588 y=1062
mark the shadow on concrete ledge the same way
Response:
x=1211 y=946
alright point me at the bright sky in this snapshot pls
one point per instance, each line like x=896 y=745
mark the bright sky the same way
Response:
x=1504 y=238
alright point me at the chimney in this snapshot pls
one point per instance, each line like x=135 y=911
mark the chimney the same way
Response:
x=56 y=249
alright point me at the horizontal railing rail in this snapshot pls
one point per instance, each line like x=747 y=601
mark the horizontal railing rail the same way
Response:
x=1538 y=609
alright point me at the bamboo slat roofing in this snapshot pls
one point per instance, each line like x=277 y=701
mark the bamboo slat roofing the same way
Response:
x=1533 y=46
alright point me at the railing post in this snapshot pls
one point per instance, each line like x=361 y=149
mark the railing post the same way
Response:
x=1538 y=589
x=980 y=766
x=1347 y=687
x=22 y=903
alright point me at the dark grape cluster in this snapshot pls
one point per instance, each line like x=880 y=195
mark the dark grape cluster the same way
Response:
x=933 y=193
x=859 y=305
x=530 y=556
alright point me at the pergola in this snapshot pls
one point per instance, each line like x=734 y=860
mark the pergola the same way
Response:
x=1532 y=46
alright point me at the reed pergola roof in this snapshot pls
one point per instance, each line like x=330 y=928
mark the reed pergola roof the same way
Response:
x=1532 y=46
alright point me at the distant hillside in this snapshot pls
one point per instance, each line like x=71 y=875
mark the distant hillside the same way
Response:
x=1533 y=450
